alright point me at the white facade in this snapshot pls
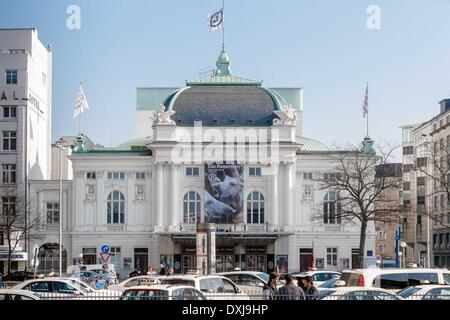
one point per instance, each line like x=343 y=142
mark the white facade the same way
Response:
x=25 y=111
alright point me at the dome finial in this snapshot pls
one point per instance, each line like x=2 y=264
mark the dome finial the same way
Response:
x=223 y=65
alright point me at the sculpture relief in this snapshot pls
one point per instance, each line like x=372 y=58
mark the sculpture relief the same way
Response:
x=287 y=116
x=90 y=192
x=307 y=193
x=139 y=192
x=162 y=117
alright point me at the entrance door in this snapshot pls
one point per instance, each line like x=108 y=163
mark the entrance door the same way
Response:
x=355 y=258
x=256 y=262
x=224 y=263
x=141 y=260
x=188 y=262
x=306 y=259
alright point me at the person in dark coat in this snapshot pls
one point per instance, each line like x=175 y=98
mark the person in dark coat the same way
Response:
x=270 y=288
x=311 y=292
x=290 y=291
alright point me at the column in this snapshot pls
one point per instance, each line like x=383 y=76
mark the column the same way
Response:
x=40 y=210
x=291 y=192
x=101 y=218
x=174 y=194
x=159 y=194
x=288 y=186
x=274 y=195
x=130 y=212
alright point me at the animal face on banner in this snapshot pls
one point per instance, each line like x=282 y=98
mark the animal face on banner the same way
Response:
x=224 y=188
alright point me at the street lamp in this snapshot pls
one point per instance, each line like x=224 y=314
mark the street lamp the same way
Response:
x=60 y=205
x=403 y=245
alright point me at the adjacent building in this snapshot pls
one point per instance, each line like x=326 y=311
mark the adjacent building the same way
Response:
x=25 y=123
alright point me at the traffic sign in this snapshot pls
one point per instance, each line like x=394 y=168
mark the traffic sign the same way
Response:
x=105 y=249
x=378 y=259
x=105 y=256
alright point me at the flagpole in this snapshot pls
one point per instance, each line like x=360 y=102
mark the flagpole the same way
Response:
x=367 y=124
x=79 y=117
x=223 y=25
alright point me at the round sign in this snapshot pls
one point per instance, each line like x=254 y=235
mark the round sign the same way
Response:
x=105 y=248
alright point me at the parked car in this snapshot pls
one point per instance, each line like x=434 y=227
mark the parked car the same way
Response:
x=86 y=276
x=214 y=287
x=393 y=279
x=19 y=276
x=64 y=288
x=318 y=277
x=359 y=293
x=250 y=282
x=134 y=282
x=426 y=292
x=162 y=292
x=330 y=284
x=17 y=295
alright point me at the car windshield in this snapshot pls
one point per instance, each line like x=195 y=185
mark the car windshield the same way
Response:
x=263 y=276
x=330 y=283
x=178 y=281
x=81 y=286
x=408 y=292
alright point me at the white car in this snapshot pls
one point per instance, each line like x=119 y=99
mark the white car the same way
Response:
x=162 y=292
x=318 y=277
x=214 y=287
x=135 y=281
x=250 y=282
x=17 y=295
x=426 y=292
x=359 y=293
x=394 y=279
x=65 y=288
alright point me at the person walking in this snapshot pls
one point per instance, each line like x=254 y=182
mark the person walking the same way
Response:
x=290 y=291
x=162 y=270
x=300 y=282
x=150 y=270
x=311 y=292
x=270 y=288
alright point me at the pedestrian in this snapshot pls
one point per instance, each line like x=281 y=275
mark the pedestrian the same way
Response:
x=150 y=270
x=290 y=291
x=300 y=282
x=162 y=270
x=311 y=292
x=170 y=272
x=270 y=288
x=1 y=281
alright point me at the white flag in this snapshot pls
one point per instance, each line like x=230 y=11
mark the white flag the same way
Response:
x=366 y=102
x=215 y=20
x=81 y=105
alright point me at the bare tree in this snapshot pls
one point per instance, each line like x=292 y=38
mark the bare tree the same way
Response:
x=13 y=219
x=359 y=188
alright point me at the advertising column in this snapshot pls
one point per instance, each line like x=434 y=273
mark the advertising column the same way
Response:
x=206 y=248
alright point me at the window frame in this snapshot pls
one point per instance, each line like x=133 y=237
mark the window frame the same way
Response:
x=332 y=255
x=11 y=110
x=53 y=209
x=118 y=203
x=192 y=216
x=10 y=140
x=331 y=205
x=254 y=171
x=9 y=173
x=192 y=171
x=255 y=208
x=11 y=76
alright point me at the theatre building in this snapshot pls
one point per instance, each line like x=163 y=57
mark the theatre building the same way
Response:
x=223 y=150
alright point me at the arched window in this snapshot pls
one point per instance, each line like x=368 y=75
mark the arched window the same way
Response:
x=191 y=208
x=255 y=208
x=116 y=208
x=331 y=208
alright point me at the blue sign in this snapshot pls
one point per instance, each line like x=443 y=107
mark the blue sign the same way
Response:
x=105 y=249
x=369 y=253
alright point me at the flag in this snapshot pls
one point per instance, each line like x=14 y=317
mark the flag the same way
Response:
x=366 y=102
x=215 y=20
x=82 y=104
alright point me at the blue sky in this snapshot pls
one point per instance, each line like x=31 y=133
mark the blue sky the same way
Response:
x=323 y=46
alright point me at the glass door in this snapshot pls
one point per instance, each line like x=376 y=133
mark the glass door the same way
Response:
x=224 y=263
x=256 y=262
x=188 y=262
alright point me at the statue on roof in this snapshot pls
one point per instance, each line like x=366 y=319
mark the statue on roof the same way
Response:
x=162 y=117
x=286 y=116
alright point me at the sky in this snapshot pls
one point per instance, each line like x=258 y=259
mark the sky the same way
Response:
x=323 y=46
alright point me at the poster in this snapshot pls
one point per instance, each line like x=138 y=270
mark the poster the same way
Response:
x=202 y=252
x=127 y=263
x=320 y=263
x=282 y=264
x=224 y=193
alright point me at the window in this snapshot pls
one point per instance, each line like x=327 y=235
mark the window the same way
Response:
x=307 y=175
x=9 y=112
x=406 y=186
x=11 y=76
x=116 y=175
x=40 y=286
x=330 y=176
x=255 y=208
x=9 y=173
x=91 y=175
x=254 y=171
x=331 y=209
x=140 y=175
x=408 y=150
x=407 y=167
x=421 y=162
x=331 y=257
x=115 y=257
x=434 y=239
x=52 y=212
x=421 y=200
x=381 y=235
x=394 y=281
x=191 y=208
x=116 y=208
x=419 y=219
x=382 y=248
x=9 y=140
x=2 y=238
x=192 y=171
x=9 y=205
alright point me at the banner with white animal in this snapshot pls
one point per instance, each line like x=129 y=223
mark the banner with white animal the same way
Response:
x=224 y=193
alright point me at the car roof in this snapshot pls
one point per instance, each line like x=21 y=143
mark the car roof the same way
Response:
x=193 y=276
x=431 y=286
x=347 y=289
x=160 y=287
x=16 y=291
x=240 y=272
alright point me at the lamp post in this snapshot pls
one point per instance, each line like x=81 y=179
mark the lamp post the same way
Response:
x=403 y=245
x=60 y=205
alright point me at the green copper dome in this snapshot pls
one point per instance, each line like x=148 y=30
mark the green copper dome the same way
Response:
x=223 y=65
x=311 y=145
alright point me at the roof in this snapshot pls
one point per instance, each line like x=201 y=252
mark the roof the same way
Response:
x=224 y=81
x=311 y=145
x=136 y=143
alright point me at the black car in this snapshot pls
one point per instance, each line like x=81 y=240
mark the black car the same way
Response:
x=19 y=276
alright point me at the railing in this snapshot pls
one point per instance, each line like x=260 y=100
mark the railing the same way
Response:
x=188 y=227
x=115 y=228
x=51 y=227
x=333 y=228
